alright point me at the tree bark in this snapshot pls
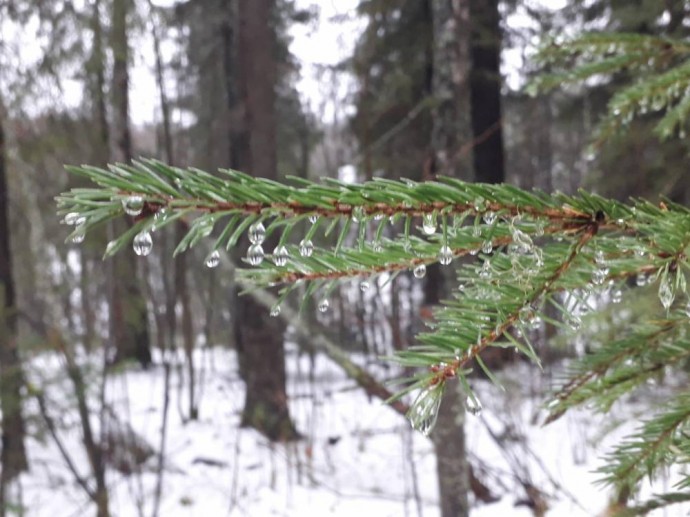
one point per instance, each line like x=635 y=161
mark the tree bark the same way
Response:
x=128 y=318
x=485 y=91
x=259 y=338
x=13 y=455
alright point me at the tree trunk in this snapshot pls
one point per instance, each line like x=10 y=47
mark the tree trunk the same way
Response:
x=128 y=318
x=13 y=456
x=259 y=338
x=451 y=156
x=485 y=91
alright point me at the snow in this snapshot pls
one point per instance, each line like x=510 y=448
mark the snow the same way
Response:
x=354 y=459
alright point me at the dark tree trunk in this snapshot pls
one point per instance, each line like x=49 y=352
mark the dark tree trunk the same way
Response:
x=128 y=318
x=485 y=91
x=13 y=454
x=259 y=338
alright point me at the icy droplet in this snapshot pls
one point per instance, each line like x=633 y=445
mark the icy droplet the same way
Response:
x=487 y=247
x=306 y=248
x=78 y=237
x=429 y=224
x=323 y=305
x=364 y=285
x=73 y=219
x=133 y=205
x=419 y=271
x=257 y=233
x=275 y=311
x=445 y=255
x=666 y=293
x=473 y=405
x=255 y=254
x=142 y=243
x=617 y=296
x=280 y=256
x=423 y=413
x=213 y=259
x=490 y=217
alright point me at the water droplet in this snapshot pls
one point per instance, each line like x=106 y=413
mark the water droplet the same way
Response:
x=275 y=311
x=487 y=247
x=358 y=214
x=599 y=276
x=255 y=254
x=280 y=256
x=473 y=251
x=599 y=258
x=423 y=413
x=109 y=248
x=490 y=217
x=641 y=279
x=364 y=285
x=313 y=218
x=306 y=248
x=445 y=255
x=640 y=252
x=378 y=248
x=213 y=259
x=687 y=309
x=429 y=224
x=666 y=292
x=574 y=322
x=73 y=219
x=419 y=271
x=473 y=405
x=78 y=237
x=323 y=305
x=617 y=296
x=257 y=233
x=522 y=240
x=133 y=205
x=142 y=243
x=378 y=217
x=485 y=271
x=479 y=204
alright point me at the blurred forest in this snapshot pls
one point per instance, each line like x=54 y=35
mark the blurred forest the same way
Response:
x=420 y=88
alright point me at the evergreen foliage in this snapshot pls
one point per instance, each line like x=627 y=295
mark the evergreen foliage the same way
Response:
x=521 y=253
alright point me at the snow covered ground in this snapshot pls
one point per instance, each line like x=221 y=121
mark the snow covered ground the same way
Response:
x=355 y=459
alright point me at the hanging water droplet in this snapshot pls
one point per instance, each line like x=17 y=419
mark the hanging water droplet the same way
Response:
x=485 y=271
x=257 y=233
x=641 y=280
x=110 y=247
x=358 y=214
x=323 y=305
x=378 y=248
x=599 y=276
x=487 y=247
x=535 y=322
x=526 y=315
x=473 y=251
x=275 y=311
x=213 y=259
x=574 y=322
x=313 y=218
x=666 y=292
x=78 y=237
x=364 y=285
x=490 y=217
x=423 y=413
x=429 y=224
x=617 y=296
x=306 y=248
x=280 y=256
x=133 y=205
x=687 y=309
x=378 y=216
x=473 y=405
x=142 y=243
x=419 y=271
x=445 y=255
x=255 y=254
x=479 y=204
x=640 y=252
x=72 y=219
x=599 y=258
